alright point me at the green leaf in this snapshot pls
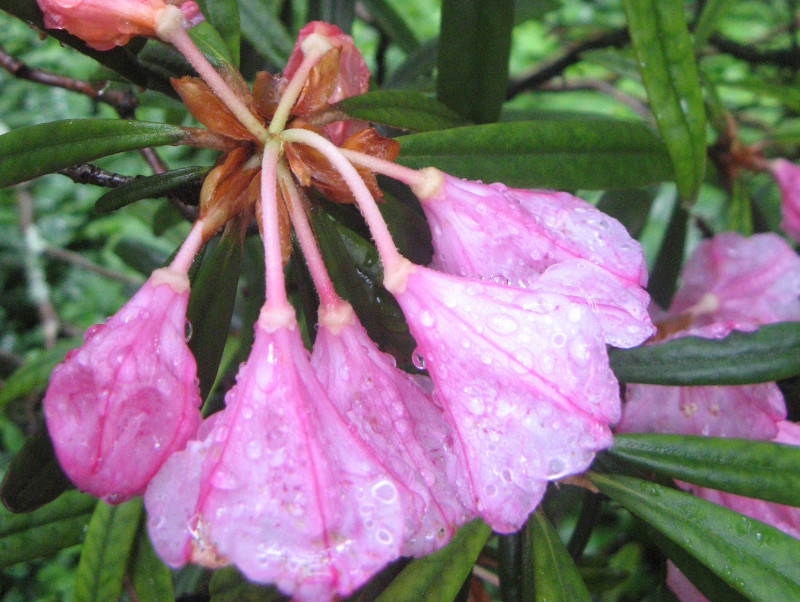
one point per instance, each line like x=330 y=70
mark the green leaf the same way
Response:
x=228 y=585
x=753 y=558
x=416 y=69
x=211 y=305
x=474 y=46
x=150 y=187
x=630 y=206
x=401 y=109
x=757 y=469
x=42 y=533
x=209 y=41
x=106 y=551
x=439 y=576
x=151 y=578
x=34 y=477
x=770 y=353
x=555 y=576
x=223 y=15
x=392 y=24
x=708 y=20
x=31 y=377
x=265 y=33
x=663 y=49
x=32 y=151
x=561 y=154
x=667 y=268
x=524 y=10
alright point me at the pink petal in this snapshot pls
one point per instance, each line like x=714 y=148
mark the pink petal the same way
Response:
x=399 y=422
x=681 y=586
x=127 y=398
x=524 y=377
x=787 y=174
x=280 y=487
x=735 y=278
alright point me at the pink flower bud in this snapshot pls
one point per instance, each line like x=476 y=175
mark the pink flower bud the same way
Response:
x=523 y=376
x=787 y=174
x=498 y=233
x=398 y=421
x=279 y=485
x=120 y=404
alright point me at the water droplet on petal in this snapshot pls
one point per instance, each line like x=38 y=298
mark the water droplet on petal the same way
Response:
x=418 y=360
x=385 y=491
x=187 y=331
x=427 y=318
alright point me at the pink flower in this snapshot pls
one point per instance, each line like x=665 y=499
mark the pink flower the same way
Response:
x=119 y=405
x=787 y=174
x=495 y=232
x=278 y=485
x=396 y=418
x=103 y=24
x=523 y=376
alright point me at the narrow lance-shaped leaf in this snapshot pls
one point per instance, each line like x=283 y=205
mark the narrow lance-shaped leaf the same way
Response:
x=770 y=353
x=440 y=575
x=753 y=558
x=393 y=24
x=667 y=268
x=758 y=469
x=223 y=15
x=474 y=46
x=151 y=578
x=32 y=151
x=663 y=49
x=44 y=532
x=150 y=187
x=560 y=154
x=556 y=577
x=106 y=551
x=711 y=14
x=401 y=109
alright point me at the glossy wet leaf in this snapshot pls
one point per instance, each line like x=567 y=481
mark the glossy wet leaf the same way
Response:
x=663 y=49
x=474 y=46
x=42 y=533
x=32 y=151
x=149 y=187
x=758 y=469
x=439 y=576
x=151 y=578
x=106 y=551
x=32 y=376
x=401 y=109
x=770 y=353
x=755 y=559
x=555 y=576
x=559 y=154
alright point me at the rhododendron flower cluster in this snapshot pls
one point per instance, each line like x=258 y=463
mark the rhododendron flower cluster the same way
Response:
x=325 y=466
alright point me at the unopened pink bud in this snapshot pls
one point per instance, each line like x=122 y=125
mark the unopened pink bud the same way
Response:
x=120 y=404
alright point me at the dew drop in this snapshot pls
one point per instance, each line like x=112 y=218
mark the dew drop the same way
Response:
x=491 y=490
x=418 y=360
x=554 y=467
x=187 y=331
x=385 y=491
x=502 y=324
x=384 y=536
x=559 y=339
x=254 y=450
x=427 y=318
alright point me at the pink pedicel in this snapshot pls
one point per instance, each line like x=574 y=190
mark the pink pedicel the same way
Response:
x=524 y=378
x=787 y=174
x=120 y=404
x=279 y=486
x=395 y=417
x=104 y=24
x=490 y=231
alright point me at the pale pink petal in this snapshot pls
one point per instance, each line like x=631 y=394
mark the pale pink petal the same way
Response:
x=787 y=174
x=127 y=398
x=681 y=586
x=286 y=492
x=735 y=278
x=524 y=377
x=398 y=421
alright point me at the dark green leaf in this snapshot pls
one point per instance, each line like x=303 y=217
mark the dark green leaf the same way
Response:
x=392 y=24
x=401 y=109
x=555 y=576
x=140 y=255
x=630 y=206
x=228 y=585
x=44 y=532
x=439 y=576
x=753 y=558
x=34 y=477
x=663 y=49
x=770 y=353
x=474 y=46
x=209 y=41
x=35 y=150
x=211 y=305
x=562 y=154
x=265 y=33
x=151 y=578
x=106 y=551
x=31 y=377
x=338 y=12
x=510 y=556
x=708 y=20
x=665 y=272
x=525 y=10
x=417 y=68
x=150 y=187
x=759 y=469
x=223 y=15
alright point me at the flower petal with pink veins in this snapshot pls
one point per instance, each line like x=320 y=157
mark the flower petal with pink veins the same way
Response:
x=489 y=230
x=120 y=404
x=280 y=487
x=735 y=278
x=787 y=174
x=399 y=422
x=524 y=377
